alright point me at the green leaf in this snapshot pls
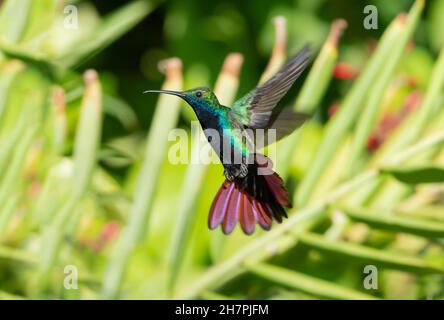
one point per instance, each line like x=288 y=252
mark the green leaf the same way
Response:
x=42 y=16
x=312 y=92
x=87 y=141
x=56 y=185
x=13 y=18
x=368 y=255
x=8 y=148
x=9 y=71
x=165 y=119
x=9 y=296
x=11 y=177
x=351 y=107
x=412 y=127
x=320 y=74
x=36 y=59
x=17 y=255
x=112 y=27
x=430 y=212
x=387 y=221
x=435 y=24
x=417 y=174
x=306 y=283
x=211 y=295
x=88 y=134
x=423 y=120
x=366 y=121
x=119 y=109
x=6 y=212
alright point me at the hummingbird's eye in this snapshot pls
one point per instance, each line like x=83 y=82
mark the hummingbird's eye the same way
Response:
x=199 y=94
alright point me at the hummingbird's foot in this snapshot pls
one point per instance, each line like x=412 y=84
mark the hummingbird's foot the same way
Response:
x=243 y=170
x=236 y=171
x=228 y=175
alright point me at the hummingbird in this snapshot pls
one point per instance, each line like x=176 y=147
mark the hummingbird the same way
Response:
x=252 y=192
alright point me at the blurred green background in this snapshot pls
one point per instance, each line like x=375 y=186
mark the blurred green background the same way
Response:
x=91 y=208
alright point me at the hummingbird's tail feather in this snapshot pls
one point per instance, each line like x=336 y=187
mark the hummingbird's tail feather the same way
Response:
x=255 y=199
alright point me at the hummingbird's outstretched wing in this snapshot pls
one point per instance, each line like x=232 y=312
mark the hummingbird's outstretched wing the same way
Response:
x=255 y=109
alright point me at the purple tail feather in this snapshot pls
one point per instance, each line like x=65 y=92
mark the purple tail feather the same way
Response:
x=240 y=201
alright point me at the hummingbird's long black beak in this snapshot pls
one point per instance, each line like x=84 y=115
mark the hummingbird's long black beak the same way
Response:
x=174 y=93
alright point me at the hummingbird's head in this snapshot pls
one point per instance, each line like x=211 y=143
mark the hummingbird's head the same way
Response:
x=200 y=97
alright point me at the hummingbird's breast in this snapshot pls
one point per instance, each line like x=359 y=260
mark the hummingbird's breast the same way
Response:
x=225 y=139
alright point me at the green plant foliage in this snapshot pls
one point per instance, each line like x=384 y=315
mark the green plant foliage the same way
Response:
x=86 y=181
x=415 y=175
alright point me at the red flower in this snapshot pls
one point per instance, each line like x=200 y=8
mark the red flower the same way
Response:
x=333 y=109
x=391 y=120
x=344 y=71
